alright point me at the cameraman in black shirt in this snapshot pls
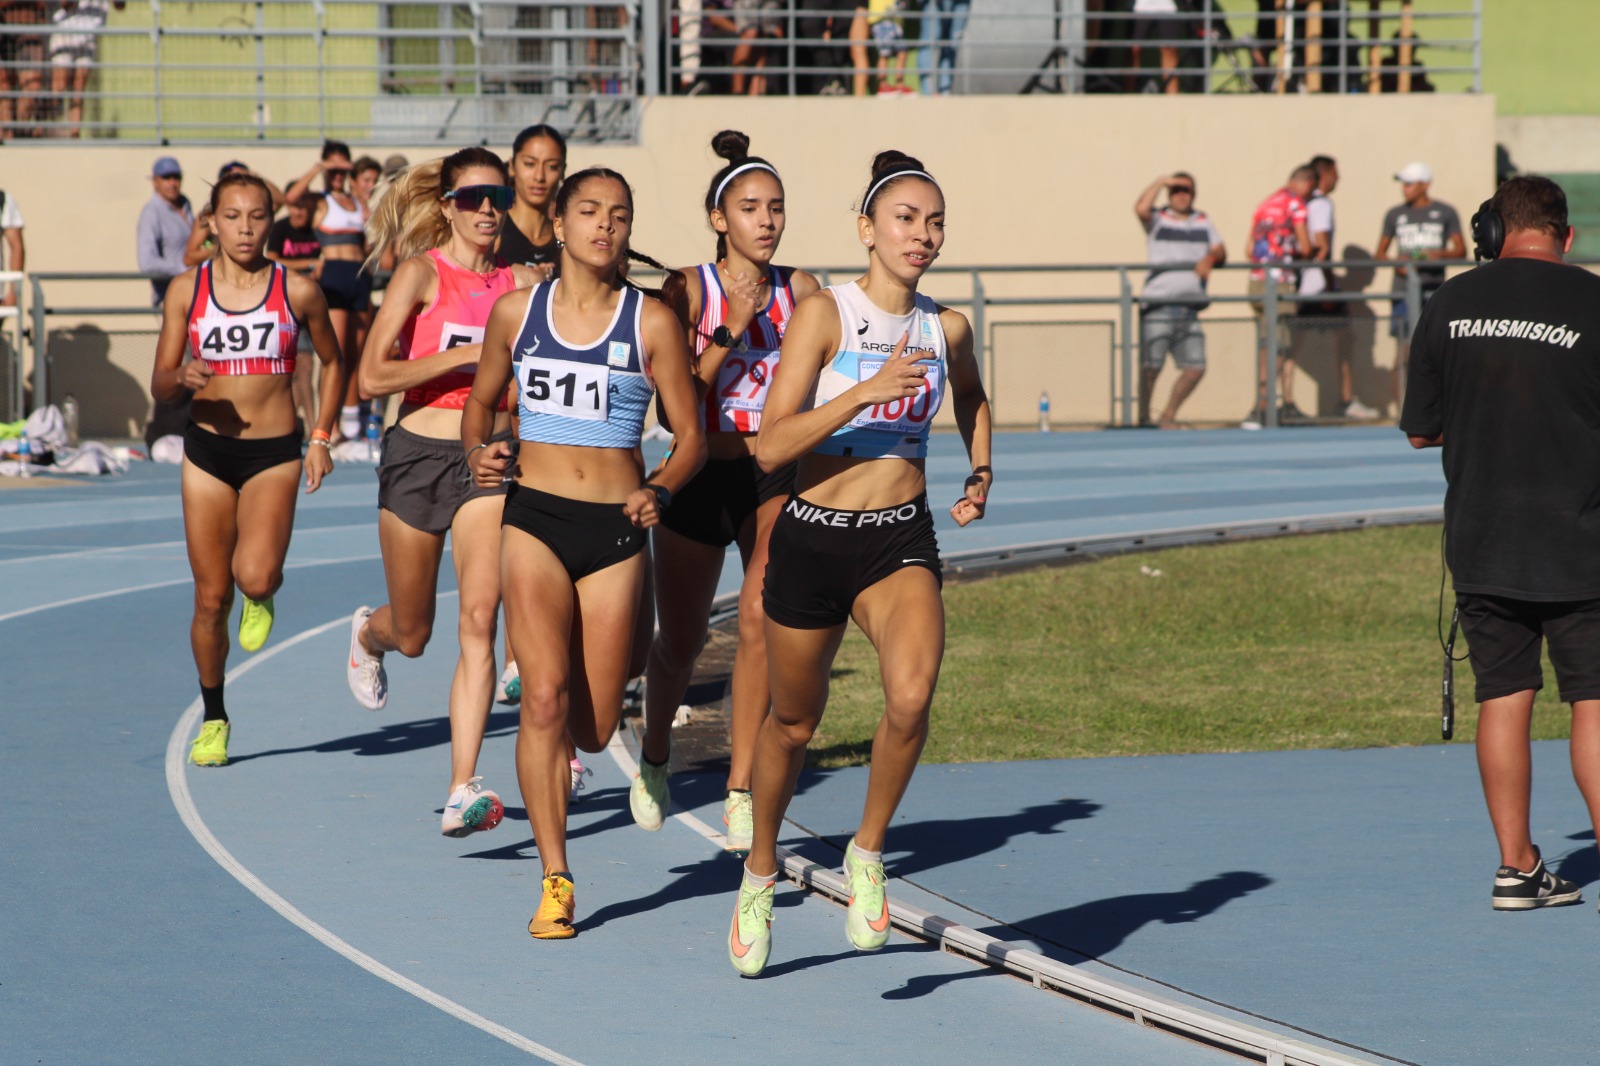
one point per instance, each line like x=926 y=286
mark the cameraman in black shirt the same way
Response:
x=1505 y=376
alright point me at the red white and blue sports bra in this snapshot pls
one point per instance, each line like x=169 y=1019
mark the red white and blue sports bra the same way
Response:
x=456 y=316
x=261 y=340
x=735 y=402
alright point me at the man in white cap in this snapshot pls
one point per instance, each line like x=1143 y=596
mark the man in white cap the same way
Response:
x=1420 y=229
x=165 y=224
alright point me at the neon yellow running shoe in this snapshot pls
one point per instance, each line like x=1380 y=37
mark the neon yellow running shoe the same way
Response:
x=738 y=815
x=553 y=919
x=255 y=623
x=210 y=748
x=649 y=797
x=750 y=939
x=866 y=920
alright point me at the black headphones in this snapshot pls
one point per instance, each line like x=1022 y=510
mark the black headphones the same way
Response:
x=1488 y=232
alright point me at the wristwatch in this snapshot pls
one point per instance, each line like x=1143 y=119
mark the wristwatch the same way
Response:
x=723 y=337
x=663 y=496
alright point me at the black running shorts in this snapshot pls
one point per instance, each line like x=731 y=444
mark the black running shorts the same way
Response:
x=587 y=537
x=1504 y=637
x=820 y=559
x=235 y=460
x=714 y=506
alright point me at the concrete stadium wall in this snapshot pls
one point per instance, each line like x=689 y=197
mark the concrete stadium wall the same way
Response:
x=1028 y=180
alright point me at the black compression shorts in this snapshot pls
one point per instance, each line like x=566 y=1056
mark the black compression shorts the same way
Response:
x=587 y=537
x=820 y=559
x=714 y=506
x=235 y=460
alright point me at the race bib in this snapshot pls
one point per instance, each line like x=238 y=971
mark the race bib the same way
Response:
x=908 y=414
x=560 y=387
x=744 y=378
x=454 y=336
x=229 y=338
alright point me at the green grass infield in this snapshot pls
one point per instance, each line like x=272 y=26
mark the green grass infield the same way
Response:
x=1324 y=641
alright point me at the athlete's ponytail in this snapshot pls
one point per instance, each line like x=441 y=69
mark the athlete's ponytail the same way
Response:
x=734 y=147
x=409 y=218
x=888 y=168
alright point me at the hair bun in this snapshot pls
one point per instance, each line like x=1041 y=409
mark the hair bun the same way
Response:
x=889 y=160
x=731 y=145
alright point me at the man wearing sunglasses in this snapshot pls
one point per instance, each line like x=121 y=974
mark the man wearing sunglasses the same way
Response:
x=1184 y=246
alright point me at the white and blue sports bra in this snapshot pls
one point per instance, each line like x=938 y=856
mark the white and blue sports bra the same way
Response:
x=593 y=396
x=867 y=336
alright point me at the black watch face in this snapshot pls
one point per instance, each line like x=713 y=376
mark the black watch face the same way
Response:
x=722 y=336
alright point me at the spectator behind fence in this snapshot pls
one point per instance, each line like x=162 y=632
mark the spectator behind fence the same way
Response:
x=73 y=45
x=1503 y=377
x=16 y=252
x=756 y=22
x=1327 y=316
x=889 y=41
x=1184 y=246
x=1159 y=20
x=943 y=24
x=1278 y=235
x=165 y=226
x=1420 y=229
x=293 y=242
x=22 y=58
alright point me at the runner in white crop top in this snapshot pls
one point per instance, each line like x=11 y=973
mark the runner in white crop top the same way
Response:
x=863 y=369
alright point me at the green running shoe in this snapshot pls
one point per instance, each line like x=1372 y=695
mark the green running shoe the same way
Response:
x=750 y=939
x=649 y=797
x=738 y=815
x=210 y=748
x=866 y=920
x=255 y=623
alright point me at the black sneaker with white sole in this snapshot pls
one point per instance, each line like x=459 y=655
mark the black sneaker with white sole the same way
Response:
x=1518 y=891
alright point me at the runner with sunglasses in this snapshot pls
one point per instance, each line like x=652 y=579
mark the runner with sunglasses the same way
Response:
x=588 y=350
x=865 y=366
x=739 y=304
x=442 y=218
x=240 y=314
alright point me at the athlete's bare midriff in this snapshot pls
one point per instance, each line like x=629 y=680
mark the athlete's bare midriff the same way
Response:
x=597 y=475
x=847 y=483
x=247 y=406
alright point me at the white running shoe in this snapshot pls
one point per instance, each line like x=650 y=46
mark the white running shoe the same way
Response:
x=1358 y=410
x=579 y=772
x=364 y=670
x=470 y=808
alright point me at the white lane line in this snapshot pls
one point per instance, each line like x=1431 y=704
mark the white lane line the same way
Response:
x=178 y=788
x=88 y=553
x=169 y=584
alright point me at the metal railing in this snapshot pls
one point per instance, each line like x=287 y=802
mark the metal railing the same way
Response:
x=1059 y=46
x=299 y=71
x=995 y=298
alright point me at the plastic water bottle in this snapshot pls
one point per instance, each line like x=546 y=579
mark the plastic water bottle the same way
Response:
x=24 y=457
x=69 y=415
x=374 y=439
x=1044 y=412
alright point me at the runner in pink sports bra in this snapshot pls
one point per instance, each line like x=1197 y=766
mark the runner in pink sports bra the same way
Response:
x=454 y=317
x=442 y=219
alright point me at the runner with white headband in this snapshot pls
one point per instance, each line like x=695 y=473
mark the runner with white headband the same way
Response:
x=739 y=306
x=864 y=368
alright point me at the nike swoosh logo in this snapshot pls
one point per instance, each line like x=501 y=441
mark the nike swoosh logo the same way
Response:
x=862 y=332
x=739 y=948
x=353 y=664
x=881 y=922
x=913 y=560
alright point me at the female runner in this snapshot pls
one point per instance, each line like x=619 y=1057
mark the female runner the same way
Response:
x=436 y=307
x=853 y=403
x=538 y=163
x=340 y=223
x=240 y=314
x=740 y=306
x=585 y=349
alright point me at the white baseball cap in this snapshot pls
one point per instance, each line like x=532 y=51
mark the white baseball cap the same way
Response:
x=1412 y=172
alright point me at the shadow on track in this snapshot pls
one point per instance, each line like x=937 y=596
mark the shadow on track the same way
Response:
x=1094 y=930
x=396 y=738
